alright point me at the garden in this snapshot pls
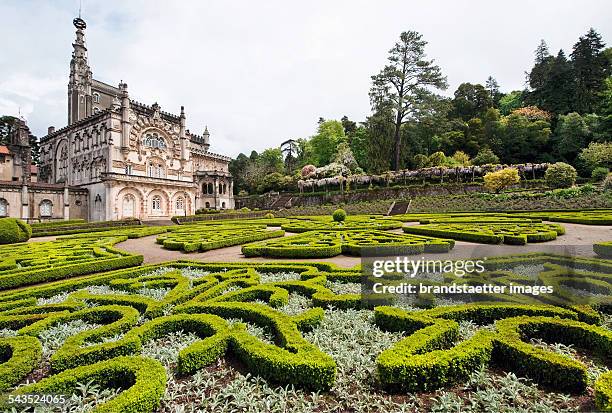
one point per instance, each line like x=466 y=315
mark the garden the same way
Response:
x=86 y=326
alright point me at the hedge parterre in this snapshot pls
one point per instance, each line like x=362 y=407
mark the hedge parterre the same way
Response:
x=208 y=237
x=515 y=233
x=321 y=244
x=36 y=262
x=357 y=222
x=131 y=308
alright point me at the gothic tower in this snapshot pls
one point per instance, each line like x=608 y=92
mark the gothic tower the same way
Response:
x=79 y=85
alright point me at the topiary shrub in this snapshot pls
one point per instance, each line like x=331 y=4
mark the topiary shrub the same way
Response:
x=269 y=215
x=339 y=215
x=599 y=174
x=498 y=180
x=560 y=175
x=13 y=230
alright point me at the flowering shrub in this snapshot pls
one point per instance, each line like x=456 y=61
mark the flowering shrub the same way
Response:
x=496 y=181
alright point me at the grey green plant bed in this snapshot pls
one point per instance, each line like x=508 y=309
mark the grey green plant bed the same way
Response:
x=221 y=337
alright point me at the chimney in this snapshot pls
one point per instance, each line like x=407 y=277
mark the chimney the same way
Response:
x=50 y=130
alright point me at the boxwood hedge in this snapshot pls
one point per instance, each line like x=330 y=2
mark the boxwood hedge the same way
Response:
x=319 y=244
x=208 y=237
x=200 y=297
x=142 y=380
x=495 y=233
x=13 y=230
x=37 y=262
x=603 y=249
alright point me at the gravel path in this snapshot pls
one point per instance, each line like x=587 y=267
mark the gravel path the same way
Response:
x=578 y=241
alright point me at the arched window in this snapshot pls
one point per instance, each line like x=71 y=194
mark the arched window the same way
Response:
x=180 y=203
x=156 y=204
x=223 y=205
x=153 y=140
x=210 y=189
x=46 y=208
x=3 y=208
x=96 y=99
x=207 y=205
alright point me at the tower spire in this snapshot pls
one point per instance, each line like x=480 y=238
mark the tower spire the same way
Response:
x=79 y=85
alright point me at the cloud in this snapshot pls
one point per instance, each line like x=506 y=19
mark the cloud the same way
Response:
x=258 y=73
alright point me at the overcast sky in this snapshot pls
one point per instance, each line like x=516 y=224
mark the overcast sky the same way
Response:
x=258 y=72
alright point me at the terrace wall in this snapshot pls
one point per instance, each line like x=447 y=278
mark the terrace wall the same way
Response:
x=279 y=201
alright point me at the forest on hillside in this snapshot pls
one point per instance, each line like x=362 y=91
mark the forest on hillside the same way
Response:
x=564 y=114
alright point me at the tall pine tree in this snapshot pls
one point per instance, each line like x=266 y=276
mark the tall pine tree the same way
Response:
x=404 y=85
x=590 y=68
x=557 y=92
x=538 y=76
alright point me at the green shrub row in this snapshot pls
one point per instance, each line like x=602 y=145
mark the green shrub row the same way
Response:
x=18 y=357
x=212 y=330
x=142 y=381
x=603 y=249
x=130 y=232
x=205 y=238
x=13 y=230
x=426 y=360
x=595 y=217
x=296 y=361
x=57 y=223
x=543 y=366
x=423 y=362
x=73 y=353
x=603 y=392
x=42 y=230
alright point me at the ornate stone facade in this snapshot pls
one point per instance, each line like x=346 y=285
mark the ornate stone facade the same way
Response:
x=135 y=160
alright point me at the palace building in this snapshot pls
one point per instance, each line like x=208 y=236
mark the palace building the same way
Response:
x=131 y=159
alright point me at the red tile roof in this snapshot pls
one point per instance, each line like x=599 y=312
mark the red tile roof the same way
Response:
x=4 y=150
